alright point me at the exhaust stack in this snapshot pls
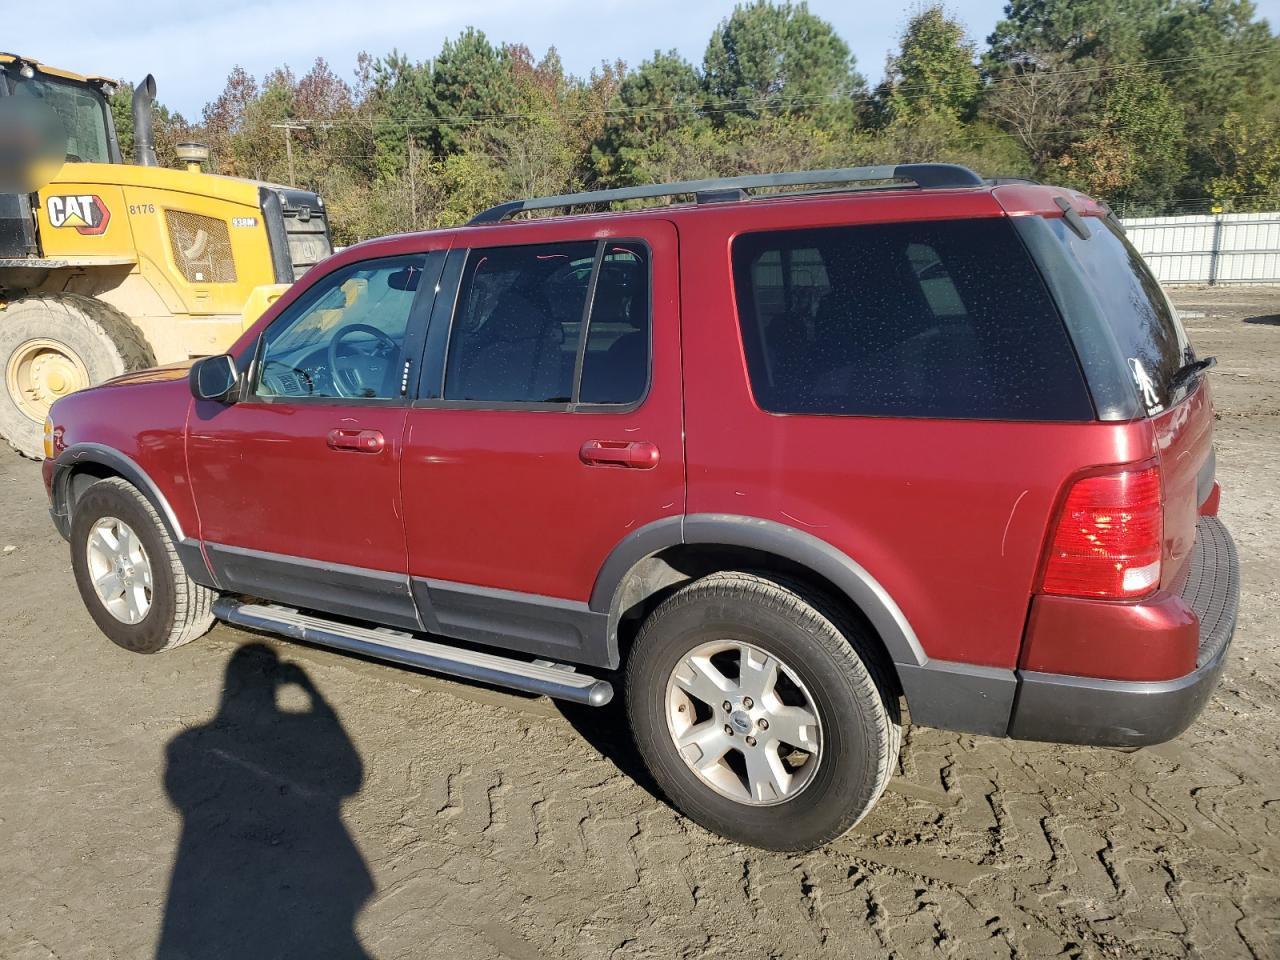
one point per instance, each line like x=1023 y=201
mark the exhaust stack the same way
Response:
x=144 y=144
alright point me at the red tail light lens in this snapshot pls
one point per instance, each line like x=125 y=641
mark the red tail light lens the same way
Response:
x=1108 y=538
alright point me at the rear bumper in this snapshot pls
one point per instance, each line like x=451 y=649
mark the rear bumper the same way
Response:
x=1126 y=713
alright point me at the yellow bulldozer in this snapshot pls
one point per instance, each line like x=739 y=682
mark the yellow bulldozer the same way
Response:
x=114 y=266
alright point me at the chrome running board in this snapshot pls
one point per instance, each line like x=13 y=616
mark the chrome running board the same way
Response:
x=382 y=643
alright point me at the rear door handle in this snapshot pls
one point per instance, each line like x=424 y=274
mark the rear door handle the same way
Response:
x=637 y=454
x=359 y=441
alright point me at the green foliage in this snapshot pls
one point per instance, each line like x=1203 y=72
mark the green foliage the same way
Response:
x=471 y=81
x=656 y=106
x=778 y=56
x=1135 y=101
x=1221 y=61
x=1248 y=150
x=933 y=73
x=1138 y=150
x=122 y=116
x=1084 y=31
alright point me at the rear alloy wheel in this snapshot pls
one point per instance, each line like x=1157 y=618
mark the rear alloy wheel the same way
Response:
x=755 y=738
x=762 y=710
x=52 y=345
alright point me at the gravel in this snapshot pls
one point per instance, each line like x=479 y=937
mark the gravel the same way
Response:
x=243 y=797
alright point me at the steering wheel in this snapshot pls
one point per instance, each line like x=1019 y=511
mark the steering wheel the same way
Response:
x=347 y=376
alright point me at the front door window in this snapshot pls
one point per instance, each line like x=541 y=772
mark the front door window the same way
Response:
x=347 y=341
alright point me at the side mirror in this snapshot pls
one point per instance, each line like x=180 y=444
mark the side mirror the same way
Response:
x=212 y=378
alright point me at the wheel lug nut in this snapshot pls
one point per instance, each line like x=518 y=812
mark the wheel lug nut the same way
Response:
x=728 y=729
x=751 y=741
x=764 y=724
x=746 y=702
x=728 y=707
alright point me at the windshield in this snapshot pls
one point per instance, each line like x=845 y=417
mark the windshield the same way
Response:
x=82 y=111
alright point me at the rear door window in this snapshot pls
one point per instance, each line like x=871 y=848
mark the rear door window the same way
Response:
x=925 y=319
x=552 y=324
x=1146 y=327
x=515 y=332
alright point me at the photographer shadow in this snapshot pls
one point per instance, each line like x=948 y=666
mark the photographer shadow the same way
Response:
x=265 y=866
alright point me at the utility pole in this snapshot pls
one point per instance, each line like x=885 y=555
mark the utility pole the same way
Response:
x=413 y=183
x=288 y=129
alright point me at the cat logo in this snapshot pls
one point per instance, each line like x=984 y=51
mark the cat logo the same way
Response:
x=86 y=213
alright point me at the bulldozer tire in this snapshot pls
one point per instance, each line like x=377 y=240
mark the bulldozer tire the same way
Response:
x=55 y=344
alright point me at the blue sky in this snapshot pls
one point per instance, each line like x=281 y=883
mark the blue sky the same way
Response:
x=191 y=47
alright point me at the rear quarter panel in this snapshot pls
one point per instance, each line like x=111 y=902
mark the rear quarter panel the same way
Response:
x=949 y=516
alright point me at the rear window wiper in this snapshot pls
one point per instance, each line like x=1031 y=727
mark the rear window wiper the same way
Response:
x=1189 y=370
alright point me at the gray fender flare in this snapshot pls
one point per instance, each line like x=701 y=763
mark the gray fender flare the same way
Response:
x=189 y=551
x=800 y=547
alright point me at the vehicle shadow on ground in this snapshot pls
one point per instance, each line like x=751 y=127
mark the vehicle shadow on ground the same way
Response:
x=265 y=866
x=1270 y=319
x=606 y=729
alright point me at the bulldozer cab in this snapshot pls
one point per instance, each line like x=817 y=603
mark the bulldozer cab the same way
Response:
x=114 y=263
x=80 y=108
x=80 y=105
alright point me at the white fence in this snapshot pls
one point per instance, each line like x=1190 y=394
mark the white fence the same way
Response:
x=1222 y=248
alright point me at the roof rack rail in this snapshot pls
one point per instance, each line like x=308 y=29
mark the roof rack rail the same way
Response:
x=731 y=189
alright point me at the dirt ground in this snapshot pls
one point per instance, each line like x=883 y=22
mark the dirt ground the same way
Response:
x=334 y=806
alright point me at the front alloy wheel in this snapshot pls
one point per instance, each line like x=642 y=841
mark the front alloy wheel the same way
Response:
x=119 y=569
x=128 y=571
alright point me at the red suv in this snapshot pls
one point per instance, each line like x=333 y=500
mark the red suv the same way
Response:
x=778 y=461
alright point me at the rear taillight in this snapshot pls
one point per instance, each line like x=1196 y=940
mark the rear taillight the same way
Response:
x=1108 y=537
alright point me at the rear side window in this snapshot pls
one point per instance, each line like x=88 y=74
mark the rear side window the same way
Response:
x=1146 y=327
x=552 y=324
x=941 y=319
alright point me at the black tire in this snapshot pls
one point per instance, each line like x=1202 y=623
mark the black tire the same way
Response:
x=180 y=610
x=100 y=337
x=835 y=661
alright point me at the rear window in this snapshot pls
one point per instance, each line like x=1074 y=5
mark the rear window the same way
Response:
x=1146 y=327
x=943 y=319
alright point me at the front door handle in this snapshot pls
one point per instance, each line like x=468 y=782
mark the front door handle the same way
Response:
x=360 y=441
x=637 y=454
